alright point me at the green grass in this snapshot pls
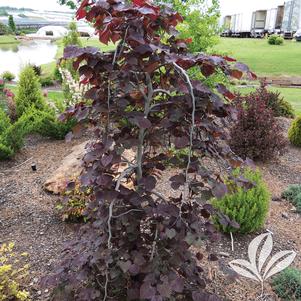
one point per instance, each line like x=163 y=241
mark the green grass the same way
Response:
x=48 y=69
x=262 y=58
x=292 y=95
x=55 y=96
x=8 y=40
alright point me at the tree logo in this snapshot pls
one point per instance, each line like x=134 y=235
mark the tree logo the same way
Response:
x=260 y=267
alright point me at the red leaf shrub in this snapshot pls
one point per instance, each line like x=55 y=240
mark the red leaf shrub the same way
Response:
x=256 y=134
x=137 y=242
x=274 y=101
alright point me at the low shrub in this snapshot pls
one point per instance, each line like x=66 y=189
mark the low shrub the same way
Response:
x=275 y=40
x=11 y=275
x=4 y=121
x=9 y=104
x=293 y=195
x=44 y=123
x=247 y=207
x=287 y=284
x=29 y=92
x=57 y=75
x=256 y=134
x=47 y=124
x=8 y=76
x=2 y=85
x=46 y=81
x=72 y=206
x=294 y=133
x=291 y=192
x=274 y=101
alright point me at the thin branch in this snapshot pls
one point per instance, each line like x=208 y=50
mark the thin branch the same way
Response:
x=162 y=91
x=232 y=242
x=154 y=246
x=159 y=195
x=191 y=132
x=125 y=213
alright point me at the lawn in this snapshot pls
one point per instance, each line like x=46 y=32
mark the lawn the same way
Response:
x=55 y=96
x=8 y=40
x=262 y=58
x=292 y=95
x=48 y=69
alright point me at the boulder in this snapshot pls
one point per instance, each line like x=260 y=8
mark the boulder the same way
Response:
x=70 y=169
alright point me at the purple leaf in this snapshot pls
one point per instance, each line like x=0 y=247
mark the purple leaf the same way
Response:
x=219 y=190
x=181 y=142
x=147 y=291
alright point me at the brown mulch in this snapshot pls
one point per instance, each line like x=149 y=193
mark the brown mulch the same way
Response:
x=28 y=218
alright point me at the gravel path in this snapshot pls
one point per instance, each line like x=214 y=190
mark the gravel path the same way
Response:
x=27 y=213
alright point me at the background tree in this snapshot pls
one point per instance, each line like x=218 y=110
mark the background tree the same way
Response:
x=201 y=22
x=11 y=23
x=73 y=37
x=4 y=30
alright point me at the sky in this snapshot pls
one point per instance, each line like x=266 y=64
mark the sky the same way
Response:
x=227 y=6
x=238 y=6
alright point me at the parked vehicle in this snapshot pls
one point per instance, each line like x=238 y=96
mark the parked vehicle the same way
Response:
x=255 y=24
x=259 y=18
x=292 y=18
x=298 y=35
x=274 y=20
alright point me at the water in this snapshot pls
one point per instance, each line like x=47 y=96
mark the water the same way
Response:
x=14 y=57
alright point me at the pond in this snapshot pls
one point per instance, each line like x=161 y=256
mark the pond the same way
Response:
x=14 y=56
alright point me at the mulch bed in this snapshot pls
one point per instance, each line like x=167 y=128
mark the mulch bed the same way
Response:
x=28 y=218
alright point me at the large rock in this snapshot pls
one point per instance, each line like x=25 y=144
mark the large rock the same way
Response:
x=71 y=168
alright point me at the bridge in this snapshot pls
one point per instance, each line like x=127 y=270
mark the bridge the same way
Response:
x=38 y=25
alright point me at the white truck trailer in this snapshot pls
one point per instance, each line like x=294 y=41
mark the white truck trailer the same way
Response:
x=274 y=18
x=292 y=18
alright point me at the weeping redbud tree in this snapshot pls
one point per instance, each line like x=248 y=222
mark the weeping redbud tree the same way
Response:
x=137 y=242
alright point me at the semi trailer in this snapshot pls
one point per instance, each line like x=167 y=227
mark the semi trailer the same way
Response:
x=292 y=18
x=255 y=23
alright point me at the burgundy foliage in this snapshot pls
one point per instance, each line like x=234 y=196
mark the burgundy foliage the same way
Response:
x=256 y=134
x=136 y=245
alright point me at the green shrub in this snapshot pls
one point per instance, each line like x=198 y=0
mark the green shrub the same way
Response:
x=287 y=284
x=6 y=152
x=293 y=195
x=291 y=192
x=44 y=123
x=11 y=275
x=275 y=40
x=248 y=207
x=46 y=81
x=4 y=30
x=274 y=101
x=57 y=75
x=279 y=41
x=29 y=92
x=15 y=134
x=7 y=75
x=4 y=121
x=47 y=125
x=2 y=85
x=294 y=133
